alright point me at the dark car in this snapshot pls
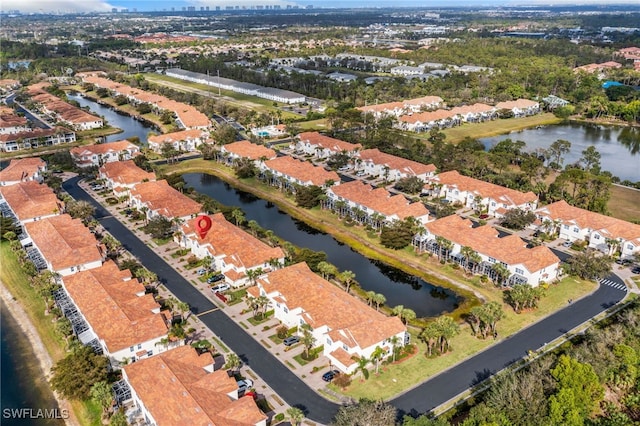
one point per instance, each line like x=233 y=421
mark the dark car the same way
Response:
x=291 y=340
x=636 y=270
x=329 y=375
x=215 y=278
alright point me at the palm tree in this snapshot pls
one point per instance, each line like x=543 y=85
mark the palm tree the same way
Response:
x=370 y=296
x=467 y=252
x=379 y=299
x=377 y=355
x=394 y=340
x=183 y=307
x=445 y=247
x=397 y=310
x=238 y=216
x=307 y=339
x=476 y=259
x=501 y=273
x=233 y=362
x=362 y=365
x=448 y=329
x=347 y=278
x=164 y=342
x=254 y=227
x=295 y=415
x=407 y=315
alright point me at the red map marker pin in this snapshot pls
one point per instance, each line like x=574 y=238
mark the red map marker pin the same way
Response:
x=203 y=224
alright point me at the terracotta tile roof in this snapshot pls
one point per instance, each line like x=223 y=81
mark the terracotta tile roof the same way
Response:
x=103 y=148
x=379 y=200
x=159 y=196
x=343 y=356
x=511 y=249
x=333 y=145
x=31 y=199
x=246 y=149
x=326 y=304
x=116 y=307
x=240 y=247
x=22 y=169
x=34 y=133
x=518 y=103
x=616 y=228
x=176 y=390
x=409 y=167
x=425 y=100
x=428 y=116
x=6 y=82
x=389 y=106
x=125 y=172
x=182 y=135
x=64 y=242
x=9 y=118
x=66 y=111
x=302 y=170
x=476 y=108
x=498 y=193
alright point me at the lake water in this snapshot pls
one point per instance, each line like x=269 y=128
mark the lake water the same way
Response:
x=22 y=385
x=398 y=287
x=129 y=126
x=619 y=146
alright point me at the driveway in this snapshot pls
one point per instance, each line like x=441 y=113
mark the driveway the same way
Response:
x=295 y=392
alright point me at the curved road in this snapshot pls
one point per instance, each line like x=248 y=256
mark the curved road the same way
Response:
x=418 y=400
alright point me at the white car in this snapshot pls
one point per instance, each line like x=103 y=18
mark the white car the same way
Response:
x=220 y=288
x=244 y=385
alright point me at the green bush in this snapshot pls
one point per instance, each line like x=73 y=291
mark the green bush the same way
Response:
x=278 y=417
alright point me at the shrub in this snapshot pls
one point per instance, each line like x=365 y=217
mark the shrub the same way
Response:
x=193 y=261
x=282 y=331
x=279 y=417
x=342 y=380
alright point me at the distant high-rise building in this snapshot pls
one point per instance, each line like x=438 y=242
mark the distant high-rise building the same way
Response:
x=184 y=8
x=191 y=8
x=207 y=8
x=114 y=10
x=124 y=10
x=217 y=7
x=135 y=9
x=173 y=9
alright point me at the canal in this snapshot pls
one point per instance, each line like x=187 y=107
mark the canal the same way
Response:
x=129 y=126
x=398 y=287
x=618 y=146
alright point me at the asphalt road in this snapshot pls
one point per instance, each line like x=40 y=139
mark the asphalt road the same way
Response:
x=295 y=392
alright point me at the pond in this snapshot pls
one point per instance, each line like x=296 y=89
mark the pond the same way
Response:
x=619 y=146
x=398 y=287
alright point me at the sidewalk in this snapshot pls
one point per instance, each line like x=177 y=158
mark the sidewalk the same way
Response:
x=239 y=312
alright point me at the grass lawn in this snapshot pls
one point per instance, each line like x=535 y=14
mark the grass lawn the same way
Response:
x=498 y=127
x=300 y=359
x=260 y=319
x=624 y=203
x=162 y=241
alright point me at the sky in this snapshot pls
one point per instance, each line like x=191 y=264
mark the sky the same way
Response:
x=150 y=5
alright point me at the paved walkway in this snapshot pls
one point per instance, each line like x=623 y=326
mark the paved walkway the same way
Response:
x=241 y=313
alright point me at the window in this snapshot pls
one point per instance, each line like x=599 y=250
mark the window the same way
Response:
x=302 y=321
x=630 y=246
x=131 y=349
x=139 y=345
x=576 y=229
x=491 y=260
x=345 y=348
x=596 y=237
x=493 y=204
x=149 y=353
x=565 y=226
x=329 y=342
x=519 y=271
x=285 y=310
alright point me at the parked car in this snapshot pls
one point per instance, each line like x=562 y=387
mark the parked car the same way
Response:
x=344 y=168
x=567 y=244
x=97 y=187
x=636 y=270
x=215 y=278
x=329 y=375
x=244 y=385
x=291 y=340
x=360 y=173
x=220 y=288
x=201 y=272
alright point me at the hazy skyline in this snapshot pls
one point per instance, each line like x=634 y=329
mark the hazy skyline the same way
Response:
x=65 y=6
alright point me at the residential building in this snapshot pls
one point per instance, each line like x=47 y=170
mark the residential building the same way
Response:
x=391 y=168
x=35 y=138
x=406 y=107
x=31 y=200
x=233 y=251
x=179 y=387
x=520 y=107
x=121 y=176
x=7 y=84
x=321 y=146
x=246 y=149
x=23 y=170
x=342 y=77
x=480 y=195
x=115 y=310
x=64 y=245
x=374 y=206
x=605 y=233
x=62 y=111
x=290 y=172
x=404 y=70
x=158 y=198
x=346 y=327
x=525 y=265
x=271 y=131
x=183 y=141
x=97 y=155
x=10 y=122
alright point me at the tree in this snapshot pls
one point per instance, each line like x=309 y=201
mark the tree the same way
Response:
x=523 y=296
x=245 y=168
x=500 y=273
x=377 y=355
x=379 y=299
x=308 y=197
x=238 y=216
x=366 y=412
x=80 y=210
x=233 y=362
x=517 y=219
x=591 y=160
x=254 y=227
x=557 y=150
x=362 y=362
x=410 y=185
x=169 y=152
x=589 y=265
x=295 y=415
x=430 y=335
x=159 y=227
x=448 y=329
x=347 y=278
x=102 y=394
x=399 y=234
x=75 y=374
x=307 y=339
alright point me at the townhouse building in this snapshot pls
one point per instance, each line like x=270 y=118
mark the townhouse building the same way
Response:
x=23 y=170
x=479 y=195
x=390 y=167
x=121 y=176
x=321 y=146
x=62 y=245
x=520 y=107
x=158 y=198
x=406 y=107
x=10 y=122
x=233 y=251
x=525 y=265
x=99 y=154
x=30 y=201
x=112 y=312
x=290 y=172
x=62 y=111
x=605 y=233
x=375 y=206
x=183 y=141
x=35 y=138
x=180 y=387
x=245 y=149
x=346 y=327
